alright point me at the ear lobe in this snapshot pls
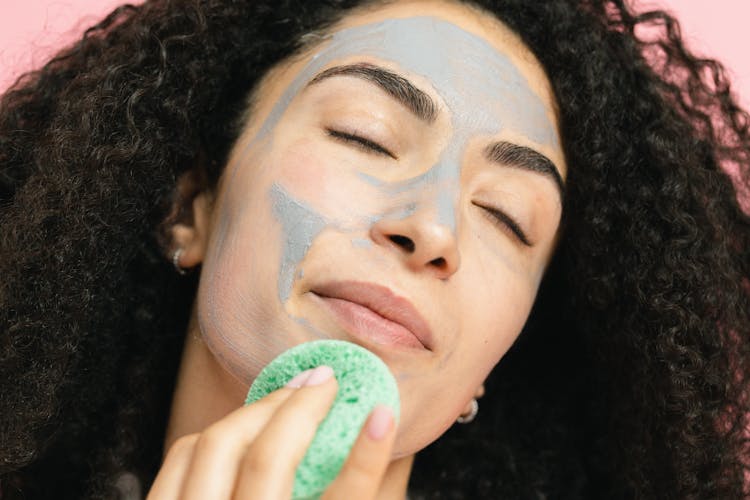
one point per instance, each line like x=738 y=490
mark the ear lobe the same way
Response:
x=192 y=236
x=480 y=391
x=187 y=227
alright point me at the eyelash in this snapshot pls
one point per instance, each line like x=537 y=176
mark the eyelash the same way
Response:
x=362 y=143
x=506 y=223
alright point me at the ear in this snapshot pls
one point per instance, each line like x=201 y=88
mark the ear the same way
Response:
x=187 y=227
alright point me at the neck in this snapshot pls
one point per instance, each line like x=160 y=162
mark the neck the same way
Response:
x=206 y=393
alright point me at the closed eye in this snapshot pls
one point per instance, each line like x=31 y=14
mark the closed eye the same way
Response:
x=359 y=142
x=505 y=222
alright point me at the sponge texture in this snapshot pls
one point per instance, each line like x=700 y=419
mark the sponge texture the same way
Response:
x=364 y=382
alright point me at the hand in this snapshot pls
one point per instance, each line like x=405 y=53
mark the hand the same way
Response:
x=253 y=452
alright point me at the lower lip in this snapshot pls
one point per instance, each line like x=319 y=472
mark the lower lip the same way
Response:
x=366 y=324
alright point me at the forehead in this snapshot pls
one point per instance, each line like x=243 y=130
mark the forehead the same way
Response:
x=489 y=81
x=469 y=74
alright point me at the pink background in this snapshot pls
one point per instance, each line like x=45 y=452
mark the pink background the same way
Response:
x=30 y=30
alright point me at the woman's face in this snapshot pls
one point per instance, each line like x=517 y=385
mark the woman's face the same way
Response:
x=397 y=186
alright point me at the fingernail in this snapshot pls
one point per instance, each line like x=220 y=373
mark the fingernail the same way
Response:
x=299 y=379
x=380 y=422
x=319 y=375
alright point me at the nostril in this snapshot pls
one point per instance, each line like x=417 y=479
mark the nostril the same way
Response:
x=402 y=241
x=439 y=262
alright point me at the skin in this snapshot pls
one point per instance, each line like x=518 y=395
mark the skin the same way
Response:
x=297 y=207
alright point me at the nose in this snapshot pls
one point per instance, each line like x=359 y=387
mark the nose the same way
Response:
x=424 y=244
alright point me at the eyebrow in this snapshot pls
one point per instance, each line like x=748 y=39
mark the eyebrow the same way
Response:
x=398 y=87
x=512 y=155
x=420 y=104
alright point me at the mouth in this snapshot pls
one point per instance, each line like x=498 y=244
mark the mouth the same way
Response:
x=374 y=314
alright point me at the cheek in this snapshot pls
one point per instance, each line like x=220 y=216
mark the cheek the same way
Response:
x=231 y=300
x=492 y=309
x=237 y=302
x=320 y=177
x=497 y=298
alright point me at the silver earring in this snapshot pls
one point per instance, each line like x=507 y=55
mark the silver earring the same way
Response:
x=176 y=262
x=465 y=419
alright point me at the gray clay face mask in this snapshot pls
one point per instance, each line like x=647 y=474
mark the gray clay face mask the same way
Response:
x=477 y=93
x=484 y=93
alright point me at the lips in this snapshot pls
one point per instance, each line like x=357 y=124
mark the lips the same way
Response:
x=375 y=311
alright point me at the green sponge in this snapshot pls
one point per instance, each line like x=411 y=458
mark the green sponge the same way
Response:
x=364 y=382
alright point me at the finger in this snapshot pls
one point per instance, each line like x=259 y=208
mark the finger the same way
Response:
x=364 y=468
x=268 y=467
x=213 y=468
x=170 y=477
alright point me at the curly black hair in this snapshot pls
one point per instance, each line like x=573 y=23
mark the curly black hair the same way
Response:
x=630 y=379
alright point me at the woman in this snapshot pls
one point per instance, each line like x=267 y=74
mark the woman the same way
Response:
x=197 y=186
